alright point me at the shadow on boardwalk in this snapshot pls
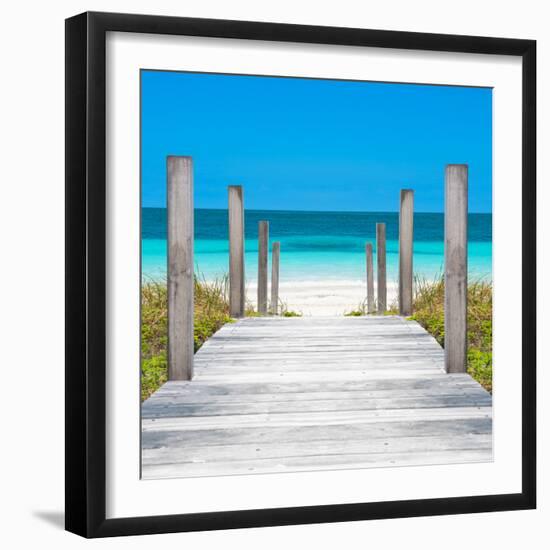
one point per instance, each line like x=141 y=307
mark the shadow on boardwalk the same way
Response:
x=296 y=394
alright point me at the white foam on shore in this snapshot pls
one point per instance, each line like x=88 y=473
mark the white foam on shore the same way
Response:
x=322 y=298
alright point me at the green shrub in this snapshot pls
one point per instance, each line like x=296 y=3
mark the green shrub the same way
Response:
x=153 y=374
x=480 y=367
x=359 y=312
x=428 y=307
x=354 y=313
x=211 y=313
x=285 y=312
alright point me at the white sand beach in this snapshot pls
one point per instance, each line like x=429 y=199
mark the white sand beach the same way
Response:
x=322 y=298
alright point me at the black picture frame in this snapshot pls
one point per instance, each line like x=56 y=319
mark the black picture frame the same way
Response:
x=86 y=264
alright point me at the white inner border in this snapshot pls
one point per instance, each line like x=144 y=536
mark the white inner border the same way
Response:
x=127 y=495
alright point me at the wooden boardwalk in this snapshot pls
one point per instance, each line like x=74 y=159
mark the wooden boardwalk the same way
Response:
x=275 y=394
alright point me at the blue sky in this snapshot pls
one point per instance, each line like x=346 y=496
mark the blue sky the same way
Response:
x=304 y=144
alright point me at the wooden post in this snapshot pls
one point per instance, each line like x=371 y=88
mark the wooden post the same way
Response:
x=263 y=244
x=456 y=267
x=370 y=279
x=406 y=252
x=236 y=251
x=180 y=267
x=381 y=261
x=275 y=255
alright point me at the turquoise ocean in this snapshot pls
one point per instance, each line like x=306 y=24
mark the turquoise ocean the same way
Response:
x=316 y=245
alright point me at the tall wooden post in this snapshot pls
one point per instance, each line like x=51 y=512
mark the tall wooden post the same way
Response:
x=456 y=267
x=406 y=252
x=275 y=255
x=370 y=279
x=263 y=243
x=381 y=261
x=236 y=251
x=180 y=267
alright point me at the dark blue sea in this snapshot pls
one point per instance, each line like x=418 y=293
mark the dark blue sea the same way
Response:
x=316 y=245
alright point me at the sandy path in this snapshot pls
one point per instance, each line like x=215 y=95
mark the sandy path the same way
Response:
x=321 y=298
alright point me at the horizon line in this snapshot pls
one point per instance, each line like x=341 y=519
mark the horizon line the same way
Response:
x=322 y=211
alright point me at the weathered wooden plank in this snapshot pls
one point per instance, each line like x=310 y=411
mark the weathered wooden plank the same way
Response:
x=313 y=418
x=327 y=320
x=437 y=382
x=317 y=462
x=325 y=354
x=236 y=251
x=288 y=396
x=403 y=347
x=456 y=267
x=319 y=332
x=325 y=376
x=305 y=356
x=356 y=340
x=325 y=370
x=356 y=397
x=413 y=341
x=180 y=267
x=165 y=410
x=349 y=389
x=314 y=342
x=433 y=360
x=349 y=446
x=373 y=358
x=308 y=369
x=229 y=369
x=349 y=363
x=311 y=353
x=378 y=352
x=412 y=344
x=335 y=433
x=319 y=337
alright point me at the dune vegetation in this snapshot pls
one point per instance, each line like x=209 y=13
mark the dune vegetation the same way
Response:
x=211 y=312
x=428 y=310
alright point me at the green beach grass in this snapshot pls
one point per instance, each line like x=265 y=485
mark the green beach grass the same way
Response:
x=211 y=312
x=428 y=310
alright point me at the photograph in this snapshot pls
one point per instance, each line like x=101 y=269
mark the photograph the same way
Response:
x=300 y=264
x=316 y=274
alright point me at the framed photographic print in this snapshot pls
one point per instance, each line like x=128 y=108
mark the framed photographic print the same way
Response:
x=300 y=274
